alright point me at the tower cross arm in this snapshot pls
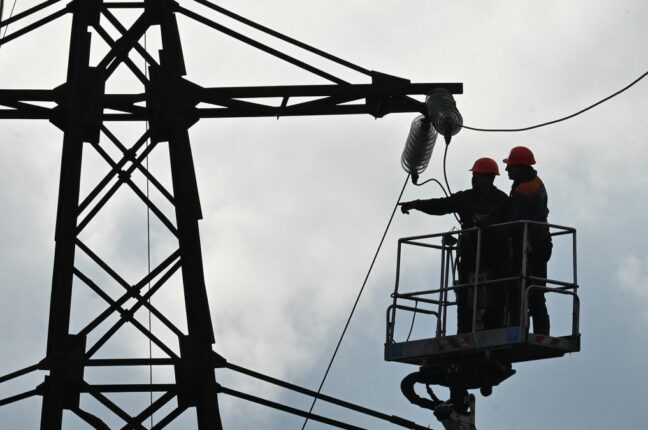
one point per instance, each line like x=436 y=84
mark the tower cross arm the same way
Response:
x=381 y=97
x=377 y=99
x=355 y=90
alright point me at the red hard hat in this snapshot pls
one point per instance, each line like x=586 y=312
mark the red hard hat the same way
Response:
x=485 y=165
x=520 y=155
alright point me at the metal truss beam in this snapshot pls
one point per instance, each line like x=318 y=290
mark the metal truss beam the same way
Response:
x=377 y=99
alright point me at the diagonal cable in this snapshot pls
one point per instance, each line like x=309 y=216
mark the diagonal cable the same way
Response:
x=259 y=45
x=18 y=373
x=348 y=405
x=289 y=409
x=14 y=18
x=148 y=255
x=19 y=397
x=41 y=22
x=283 y=37
x=364 y=283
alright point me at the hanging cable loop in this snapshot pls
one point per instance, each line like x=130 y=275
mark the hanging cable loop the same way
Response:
x=565 y=118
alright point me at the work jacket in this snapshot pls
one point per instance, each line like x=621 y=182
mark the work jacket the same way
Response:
x=490 y=206
x=528 y=201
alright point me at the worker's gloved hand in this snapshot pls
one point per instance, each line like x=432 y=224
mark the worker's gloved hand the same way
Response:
x=407 y=206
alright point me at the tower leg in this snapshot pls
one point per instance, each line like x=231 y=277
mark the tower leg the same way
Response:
x=172 y=115
x=65 y=352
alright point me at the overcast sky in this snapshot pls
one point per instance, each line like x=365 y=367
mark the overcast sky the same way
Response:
x=294 y=208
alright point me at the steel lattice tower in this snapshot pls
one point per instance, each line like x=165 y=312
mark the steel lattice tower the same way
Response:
x=169 y=103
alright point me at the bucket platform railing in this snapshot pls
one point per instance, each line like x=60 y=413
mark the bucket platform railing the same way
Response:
x=509 y=339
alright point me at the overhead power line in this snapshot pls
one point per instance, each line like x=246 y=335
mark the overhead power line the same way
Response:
x=283 y=37
x=394 y=419
x=360 y=69
x=563 y=118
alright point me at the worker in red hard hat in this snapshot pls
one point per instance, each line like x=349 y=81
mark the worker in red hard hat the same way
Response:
x=528 y=202
x=482 y=205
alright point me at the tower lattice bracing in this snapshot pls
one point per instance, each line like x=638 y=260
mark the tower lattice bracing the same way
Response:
x=80 y=118
x=165 y=108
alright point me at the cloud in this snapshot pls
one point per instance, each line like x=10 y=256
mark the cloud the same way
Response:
x=633 y=277
x=293 y=209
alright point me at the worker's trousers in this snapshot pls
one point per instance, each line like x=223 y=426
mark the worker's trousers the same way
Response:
x=536 y=263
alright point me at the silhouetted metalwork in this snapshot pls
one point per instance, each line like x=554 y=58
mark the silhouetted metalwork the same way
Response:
x=170 y=104
x=482 y=356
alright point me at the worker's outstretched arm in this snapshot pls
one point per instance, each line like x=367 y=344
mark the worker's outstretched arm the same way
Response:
x=442 y=206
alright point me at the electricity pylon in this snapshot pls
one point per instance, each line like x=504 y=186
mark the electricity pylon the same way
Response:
x=169 y=104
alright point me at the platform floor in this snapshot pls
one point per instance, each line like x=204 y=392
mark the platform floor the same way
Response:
x=510 y=344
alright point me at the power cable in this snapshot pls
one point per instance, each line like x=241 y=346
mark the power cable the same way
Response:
x=263 y=47
x=148 y=250
x=438 y=183
x=396 y=420
x=13 y=7
x=283 y=37
x=20 y=372
x=563 y=118
x=18 y=397
x=445 y=177
x=445 y=173
x=413 y=319
x=364 y=283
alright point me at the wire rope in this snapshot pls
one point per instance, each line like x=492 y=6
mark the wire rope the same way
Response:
x=438 y=183
x=364 y=283
x=282 y=36
x=445 y=173
x=19 y=373
x=445 y=177
x=394 y=419
x=631 y=84
x=148 y=251
x=13 y=7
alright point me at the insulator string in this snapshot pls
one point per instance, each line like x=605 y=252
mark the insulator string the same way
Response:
x=418 y=147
